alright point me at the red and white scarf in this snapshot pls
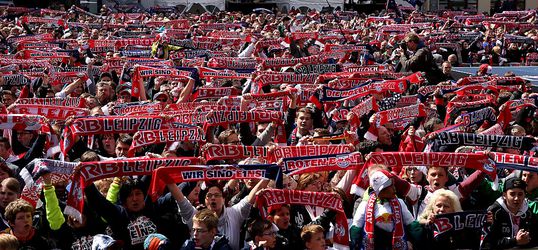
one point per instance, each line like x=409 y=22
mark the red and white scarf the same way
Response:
x=227 y=152
x=309 y=150
x=92 y=171
x=144 y=138
x=219 y=118
x=398 y=235
x=48 y=111
x=272 y=197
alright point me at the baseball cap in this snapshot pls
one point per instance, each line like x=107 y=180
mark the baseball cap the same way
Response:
x=514 y=182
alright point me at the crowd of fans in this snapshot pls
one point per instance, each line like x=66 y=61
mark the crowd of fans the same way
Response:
x=154 y=129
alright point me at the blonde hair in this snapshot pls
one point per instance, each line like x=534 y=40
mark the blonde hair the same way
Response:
x=208 y=217
x=8 y=242
x=428 y=210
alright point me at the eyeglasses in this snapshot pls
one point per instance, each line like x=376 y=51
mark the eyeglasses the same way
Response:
x=216 y=195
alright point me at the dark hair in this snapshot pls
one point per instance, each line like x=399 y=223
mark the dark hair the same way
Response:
x=368 y=146
x=130 y=185
x=125 y=139
x=5 y=140
x=258 y=226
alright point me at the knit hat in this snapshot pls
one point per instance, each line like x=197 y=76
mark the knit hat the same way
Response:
x=380 y=180
x=485 y=69
x=156 y=242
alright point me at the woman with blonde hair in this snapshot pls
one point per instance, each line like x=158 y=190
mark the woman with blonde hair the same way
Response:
x=444 y=201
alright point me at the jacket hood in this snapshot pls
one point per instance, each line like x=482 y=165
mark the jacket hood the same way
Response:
x=520 y=212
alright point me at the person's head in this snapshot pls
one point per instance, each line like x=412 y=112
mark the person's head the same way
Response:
x=382 y=184
x=5 y=171
x=514 y=194
x=437 y=177
x=433 y=124
x=304 y=119
x=310 y=182
x=19 y=215
x=123 y=144
x=25 y=137
x=105 y=77
x=444 y=201
x=367 y=146
x=8 y=97
x=412 y=40
x=5 y=148
x=8 y=242
x=204 y=228
x=104 y=93
x=384 y=136
x=229 y=137
x=452 y=59
x=89 y=156
x=262 y=230
x=261 y=127
x=313 y=237
x=447 y=68
x=10 y=190
x=103 y=185
x=191 y=190
x=108 y=142
x=280 y=215
x=517 y=130
x=416 y=174
x=132 y=195
x=531 y=179
x=214 y=198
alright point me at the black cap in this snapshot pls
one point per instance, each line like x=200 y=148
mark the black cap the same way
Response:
x=514 y=182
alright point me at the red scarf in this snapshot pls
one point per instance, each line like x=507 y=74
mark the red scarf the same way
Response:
x=208 y=74
x=386 y=116
x=68 y=101
x=398 y=241
x=138 y=108
x=219 y=118
x=109 y=124
x=505 y=114
x=310 y=164
x=50 y=112
x=363 y=108
x=205 y=92
x=92 y=171
x=271 y=197
x=227 y=152
x=144 y=138
x=162 y=176
x=309 y=150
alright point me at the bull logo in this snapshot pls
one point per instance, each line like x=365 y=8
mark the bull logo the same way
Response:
x=342 y=161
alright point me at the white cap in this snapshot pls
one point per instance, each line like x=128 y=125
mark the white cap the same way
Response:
x=379 y=181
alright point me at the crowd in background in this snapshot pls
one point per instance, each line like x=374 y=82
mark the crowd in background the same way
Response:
x=155 y=129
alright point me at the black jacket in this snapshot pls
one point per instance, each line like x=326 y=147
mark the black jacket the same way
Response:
x=221 y=243
x=500 y=233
